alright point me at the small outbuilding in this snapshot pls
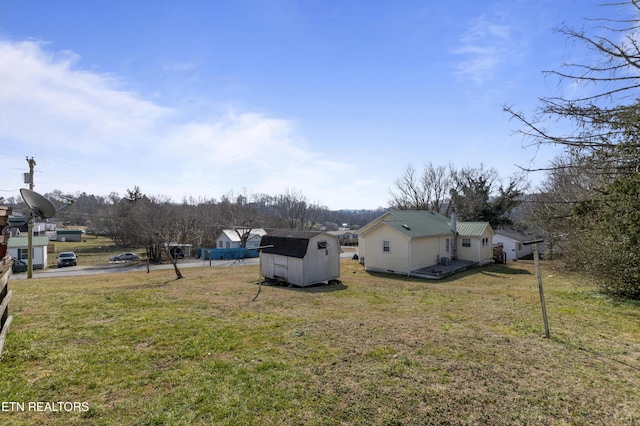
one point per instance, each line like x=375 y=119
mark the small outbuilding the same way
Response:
x=300 y=258
x=19 y=249
x=74 y=235
x=513 y=243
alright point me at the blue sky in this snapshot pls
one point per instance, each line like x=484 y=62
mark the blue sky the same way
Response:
x=331 y=98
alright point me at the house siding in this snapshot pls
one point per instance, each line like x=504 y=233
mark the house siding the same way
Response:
x=477 y=252
x=396 y=259
x=427 y=251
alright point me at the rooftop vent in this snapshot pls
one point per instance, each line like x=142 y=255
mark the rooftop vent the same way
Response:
x=405 y=226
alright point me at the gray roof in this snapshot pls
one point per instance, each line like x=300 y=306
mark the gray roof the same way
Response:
x=288 y=243
x=514 y=234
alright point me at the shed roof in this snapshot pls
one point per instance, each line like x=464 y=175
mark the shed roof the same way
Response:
x=288 y=243
x=23 y=242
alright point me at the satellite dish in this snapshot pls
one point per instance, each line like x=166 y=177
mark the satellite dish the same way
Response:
x=39 y=205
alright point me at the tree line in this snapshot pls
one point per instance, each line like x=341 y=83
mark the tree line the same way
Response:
x=136 y=219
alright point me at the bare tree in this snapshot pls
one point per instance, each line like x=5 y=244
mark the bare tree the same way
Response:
x=296 y=211
x=409 y=193
x=603 y=117
x=428 y=190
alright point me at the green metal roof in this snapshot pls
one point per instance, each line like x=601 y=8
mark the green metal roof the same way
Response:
x=418 y=223
x=418 y=215
x=422 y=223
x=23 y=242
x=420 y=229
x=471 y=229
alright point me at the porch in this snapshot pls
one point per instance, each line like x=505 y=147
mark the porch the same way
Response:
x=443 y=269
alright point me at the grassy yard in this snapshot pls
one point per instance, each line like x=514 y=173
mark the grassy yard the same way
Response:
x=144 y=349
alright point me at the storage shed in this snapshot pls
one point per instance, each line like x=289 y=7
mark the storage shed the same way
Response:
x=74 y=235
x=300 y=258
x=19 y=249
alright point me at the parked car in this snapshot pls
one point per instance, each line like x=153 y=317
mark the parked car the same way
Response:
x=124 y=256
x=67 y=258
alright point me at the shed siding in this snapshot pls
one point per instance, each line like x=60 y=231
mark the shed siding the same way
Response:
x=322 y=264
x=317 y=265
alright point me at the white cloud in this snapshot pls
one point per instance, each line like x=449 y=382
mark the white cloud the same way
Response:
x=486 y=46
x=87 y=134
x=43 y=98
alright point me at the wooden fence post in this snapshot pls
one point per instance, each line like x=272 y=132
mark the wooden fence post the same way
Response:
x=536 y=260
x=5 y=295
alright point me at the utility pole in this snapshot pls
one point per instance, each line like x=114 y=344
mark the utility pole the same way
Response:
x=32 y=164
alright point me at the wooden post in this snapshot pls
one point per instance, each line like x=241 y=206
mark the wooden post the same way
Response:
x=260 y=270
x=536 y=260
x=5 y=296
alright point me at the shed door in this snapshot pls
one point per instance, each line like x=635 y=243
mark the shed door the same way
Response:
x=280 y=268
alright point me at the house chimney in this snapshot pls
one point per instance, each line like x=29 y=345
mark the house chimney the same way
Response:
x=454 y=229
x=454 y=220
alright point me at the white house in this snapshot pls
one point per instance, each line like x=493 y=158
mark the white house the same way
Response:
x=229 y=238
x=18 y=248
x=513 y=243
x=404 y=241
x=300 y=258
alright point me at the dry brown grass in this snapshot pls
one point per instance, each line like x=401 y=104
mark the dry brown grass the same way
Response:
x=375 y=349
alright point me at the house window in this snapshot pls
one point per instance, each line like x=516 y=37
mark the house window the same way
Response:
x=466 y=242
x=447 y=246
x=485 y=242
x=322 y=245
x=385 y=246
